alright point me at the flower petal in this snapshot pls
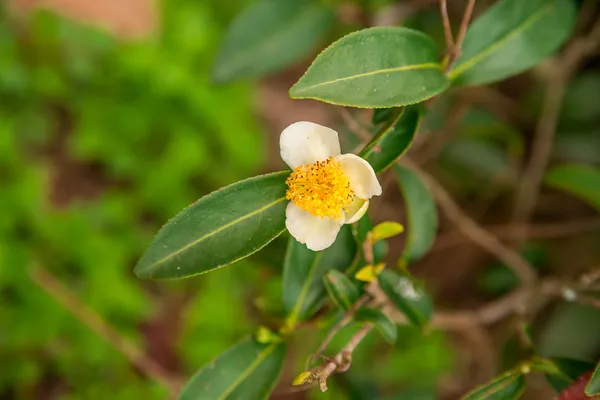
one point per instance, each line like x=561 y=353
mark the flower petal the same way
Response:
x=362 y=177
x=356 y=210
x=306 y=143
x=317 y=233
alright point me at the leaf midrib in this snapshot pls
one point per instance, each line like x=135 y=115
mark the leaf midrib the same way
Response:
x=305 y=286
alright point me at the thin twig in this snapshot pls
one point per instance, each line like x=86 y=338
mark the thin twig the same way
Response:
x=460 y=37
x=94 y=321
x=447 y=28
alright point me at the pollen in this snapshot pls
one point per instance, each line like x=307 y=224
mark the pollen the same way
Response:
x=322 y=188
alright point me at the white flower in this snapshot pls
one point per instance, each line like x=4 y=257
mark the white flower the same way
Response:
x=327 y=189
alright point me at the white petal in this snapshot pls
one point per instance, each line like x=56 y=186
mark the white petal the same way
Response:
x=317 y=233
x=307 y=142
x=362 y=177
x=356 y=210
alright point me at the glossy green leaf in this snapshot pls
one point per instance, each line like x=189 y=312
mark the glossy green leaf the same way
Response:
x=303 y=272
x=561 y=372
x=382 y=322
x=421 y=214
x=269 y=36
x=582 y=181
x=511 y=37
x=408 y=295
x=593 y=387
x=507 y=386
x=375 y=68
x=393 y=139
x=341 y=289
x=220 y=228
x=248 y=371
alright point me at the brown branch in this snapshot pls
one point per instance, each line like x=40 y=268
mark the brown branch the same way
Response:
x=447 y=28
x=94 y=322
x=462 y=32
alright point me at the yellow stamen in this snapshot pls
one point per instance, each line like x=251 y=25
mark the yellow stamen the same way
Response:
x=322 y=188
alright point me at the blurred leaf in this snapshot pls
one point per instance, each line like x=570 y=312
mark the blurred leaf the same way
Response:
x=408 y=295
x=384 y=325
x=218 y=229
x=593 y=387
x=303 y=272
x=561 y=372
x=248 y=370
x=269 y=36
x=341 y=289
x=386 y=230
x=393 y=139
x=264 y=335
x=374 y=68
x=582 y=99
x=507 y=386
x=421 y=214
x=582 y=181
x=369 y=273
x=381 y=115
x=479 y=157
x=511 y=37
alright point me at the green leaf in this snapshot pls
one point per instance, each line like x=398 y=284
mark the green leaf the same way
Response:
x=386 y=230
x=561 y=372
x=382 y=115
x=269 y=36
x=341 y=289
x=507 y=386
x=408 y=295
x=511 y=37
x=220 y=228
x=393 y=139
x=582 y=181
x=374 y=68
x=421 y=214
x=382 y=322
x=303 y=272
x=360 y=231
x=593 y=387
x=248 y=371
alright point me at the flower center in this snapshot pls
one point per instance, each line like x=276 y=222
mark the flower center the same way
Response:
x=322 y=188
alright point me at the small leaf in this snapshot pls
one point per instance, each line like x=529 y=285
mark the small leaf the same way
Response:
x=374 y=68
x=507 y=386
x=219 y=229
x=369 y=273
x=249 y=370
x=393 y=139
x=511 y=37
x=303 y=272
x=302 y=378
x=408 y=295
x=341 y=290
x=593 y=387
x=269 y=36
x=382 y=322
x=582 y=181
x=386 y=230
x=265 y=336
x=421 y=214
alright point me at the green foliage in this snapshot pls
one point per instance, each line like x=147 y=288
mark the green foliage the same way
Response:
x=341 y=289
x=408 y=295
x=382 y=322
x=374 y=68
x=508 y=386
x=561 y=372
x=582 y=181
x=593 y=387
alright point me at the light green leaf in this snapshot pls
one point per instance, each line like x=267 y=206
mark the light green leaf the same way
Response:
x=341 y=289
x=421 y=214
x=582 y=181
x=386 y=230
x=408 y=295
x=303 y=272
x=508 y=386
x=382 y=322
x=269 y=36
x=220 y=228
x=593 y=387
x=374 y=68
x=393 y=139
x=248 y=371
x=511 y=37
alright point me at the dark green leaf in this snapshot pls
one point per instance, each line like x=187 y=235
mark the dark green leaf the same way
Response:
x=303 y=272
x=507 y=386
x=384 y=325
x=392 y=141
x=511 y=37
x=421 y=214
x=220 y=228
x=593 y=387
x=341 y=289
x=374 y=68
x=246 y=371
x=582 y=181
x=561 y=372
x=382 y=115
x=269 y=36
x=408 y=295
